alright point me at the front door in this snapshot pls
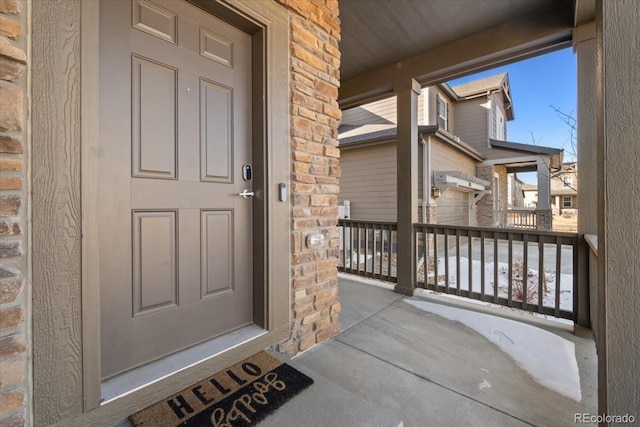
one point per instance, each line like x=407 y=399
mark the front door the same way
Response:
x=175 y=153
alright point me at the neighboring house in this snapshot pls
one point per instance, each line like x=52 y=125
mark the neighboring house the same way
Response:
x=530 y=192
x=515 y=194
x=466 y=171
x=564 y=189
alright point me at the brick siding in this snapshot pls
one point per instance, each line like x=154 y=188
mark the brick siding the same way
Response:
x=315 y=116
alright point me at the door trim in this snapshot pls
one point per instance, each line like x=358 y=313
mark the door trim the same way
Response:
x=66 y=117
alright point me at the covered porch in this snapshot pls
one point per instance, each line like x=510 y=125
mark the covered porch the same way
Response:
x=393 y=364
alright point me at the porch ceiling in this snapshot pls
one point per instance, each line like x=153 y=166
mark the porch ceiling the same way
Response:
x=387 y=40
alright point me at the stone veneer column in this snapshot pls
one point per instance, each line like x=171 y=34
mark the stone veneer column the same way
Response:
x=544 y=219
x=484 y=207
x=315 y=116
x=14 y=347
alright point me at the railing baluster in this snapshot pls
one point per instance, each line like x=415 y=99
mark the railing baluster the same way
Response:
x=482 y=272
x=344 y=245
x=375 y=246
x=495 y=267
x=470 y=242
x=390 y=251
x=525 y=268
x=363 y=248
x=540 y=272
x=347 y=246
x=458 y=278
x=574 y=272
x=510 y=273
x=558 y=275
x=435 y=259
x=381 y=249
x=446 y=259
x=423 y=233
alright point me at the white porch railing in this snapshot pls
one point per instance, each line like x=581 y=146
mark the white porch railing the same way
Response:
x=516 y=218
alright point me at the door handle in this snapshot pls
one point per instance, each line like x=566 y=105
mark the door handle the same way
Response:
x=246 y=194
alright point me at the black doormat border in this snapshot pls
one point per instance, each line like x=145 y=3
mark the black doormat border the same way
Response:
x=240 y=395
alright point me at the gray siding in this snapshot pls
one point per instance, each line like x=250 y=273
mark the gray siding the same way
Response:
x=445 y=158
x=471 y=125
x=369 y=176
x=453 y=208
x=378 y=112
x=368 y=180
x=384 y=111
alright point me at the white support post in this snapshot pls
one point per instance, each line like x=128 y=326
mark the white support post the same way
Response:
x=544 y=184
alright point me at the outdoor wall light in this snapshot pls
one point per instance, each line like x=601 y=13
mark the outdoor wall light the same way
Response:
x=435 y=192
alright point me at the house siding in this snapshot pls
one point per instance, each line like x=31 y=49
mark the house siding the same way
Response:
x=472 y=123
x=383 y=112
x=453 y=208
x=369 y=182
x=446 y=158
x=14 y=275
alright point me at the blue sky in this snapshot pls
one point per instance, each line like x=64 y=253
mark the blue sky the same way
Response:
x=536 y=84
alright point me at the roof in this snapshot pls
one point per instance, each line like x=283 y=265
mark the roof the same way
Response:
x=529 y=187
x=528 y=148
x=556 y=154
x=367 y=133
x=564 y=192
x=372 y=134
x=495 y=83
x=479 y=86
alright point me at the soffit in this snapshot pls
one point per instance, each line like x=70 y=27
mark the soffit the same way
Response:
x=379 y=33
x=387 y=43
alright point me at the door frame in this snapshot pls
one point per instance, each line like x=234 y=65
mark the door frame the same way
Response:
x=66 y=117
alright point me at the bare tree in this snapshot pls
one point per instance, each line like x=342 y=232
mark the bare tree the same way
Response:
x=572 y=123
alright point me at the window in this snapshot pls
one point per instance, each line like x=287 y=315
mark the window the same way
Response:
x=500 y=127
x=442 y=109
x=566 y=202
x=567 y=181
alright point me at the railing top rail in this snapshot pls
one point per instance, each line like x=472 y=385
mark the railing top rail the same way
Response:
x=366 y=222
x=420 y=226
x=516 y=210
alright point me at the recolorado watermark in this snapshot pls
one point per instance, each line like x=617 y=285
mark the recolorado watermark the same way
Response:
x=603 y=418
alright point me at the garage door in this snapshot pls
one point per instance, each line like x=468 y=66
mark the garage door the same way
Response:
x=453 y=208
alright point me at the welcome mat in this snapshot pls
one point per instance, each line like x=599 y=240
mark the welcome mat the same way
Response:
x=240 y=395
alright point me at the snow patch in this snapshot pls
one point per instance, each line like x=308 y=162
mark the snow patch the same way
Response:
x=548 y=358
x=566 y=280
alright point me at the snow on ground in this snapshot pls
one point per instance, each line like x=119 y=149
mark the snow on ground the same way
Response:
x=566 y=280
x=548 y=358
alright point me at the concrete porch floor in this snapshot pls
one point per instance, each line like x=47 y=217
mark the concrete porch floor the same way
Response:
x=396 y=365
